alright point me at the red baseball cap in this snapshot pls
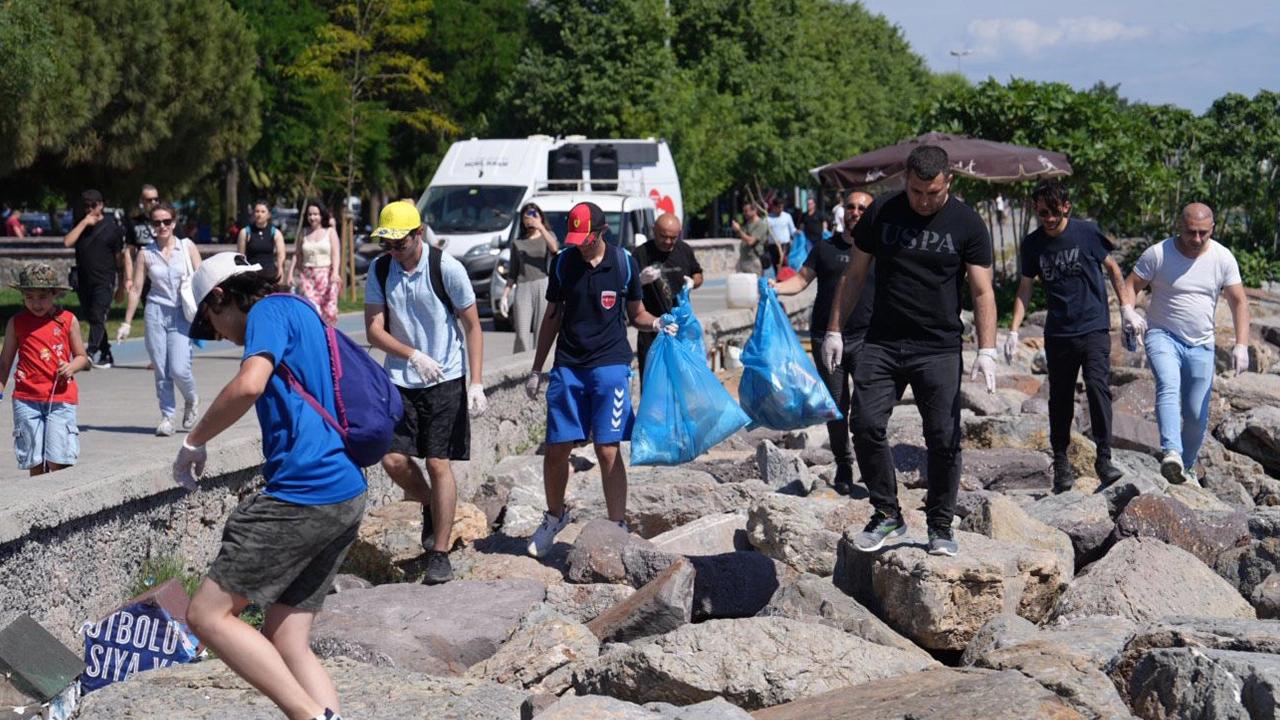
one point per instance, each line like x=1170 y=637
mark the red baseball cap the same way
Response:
x=584 y=219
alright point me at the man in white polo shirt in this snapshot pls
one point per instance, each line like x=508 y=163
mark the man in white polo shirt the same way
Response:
x=412 y=296
x=1186 y=274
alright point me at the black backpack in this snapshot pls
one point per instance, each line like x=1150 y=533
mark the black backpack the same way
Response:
x=382 y=268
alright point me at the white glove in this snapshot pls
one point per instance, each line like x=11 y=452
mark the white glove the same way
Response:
x=504 y=306
x=189 y=466
x=666 y=324
x=476 y=402
x=533 y=385
x=649 y=274
x=832 y=350
x=1133 y=322
x=123 y=333
x=429 y=370
x=986 y=364
x=1240 y=358
x=1010 y=346
x=688 y=283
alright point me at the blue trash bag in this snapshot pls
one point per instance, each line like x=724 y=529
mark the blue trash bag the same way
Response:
x=690 y=332
x=800 y=248
x=780 y=386
x=684 y=410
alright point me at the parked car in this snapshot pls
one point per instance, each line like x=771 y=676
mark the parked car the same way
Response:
x=630 y=218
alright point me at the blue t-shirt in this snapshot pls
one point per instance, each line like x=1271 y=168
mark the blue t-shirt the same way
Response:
x=1071 y=267
x=593 y=327
x=416 y=317
x=306 y=462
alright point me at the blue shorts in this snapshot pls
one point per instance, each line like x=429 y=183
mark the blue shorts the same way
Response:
x=41 y=435
x=589 y=403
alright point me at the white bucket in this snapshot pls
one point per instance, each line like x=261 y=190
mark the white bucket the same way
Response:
x=742 y=290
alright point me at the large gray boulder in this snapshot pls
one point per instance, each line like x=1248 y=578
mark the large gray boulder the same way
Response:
x=659 y=607
x=728 y=585
x=1194 y=683
x=1265 y=597
x=1101 y=639
x=1004 y=469
x=752 y=662
x=783 y=471
x=1255 y=433
x=940 y=602
x=1073 y=676
x=1248 y=636
x=656 y=508
x=1247 y=566
x=438 y=629
x=1223 y=468
x=938 y=694
x=708 y=535
x=597 y=707
x=209 y=690
x=545 y=642
x=597 y=553
x=584 y=602
x=814 y=599
x=999 y=518
x=1145 y=579
x=1204 y=534
x=1086 y=519
x=1247 y=391
x=802 y=532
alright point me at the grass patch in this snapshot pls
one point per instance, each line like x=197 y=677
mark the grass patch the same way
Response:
x=159 y=570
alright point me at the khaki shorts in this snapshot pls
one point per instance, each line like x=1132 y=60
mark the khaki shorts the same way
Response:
x=280 y=552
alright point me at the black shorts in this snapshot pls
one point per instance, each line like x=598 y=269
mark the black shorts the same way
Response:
x=436 y=423
x=281 y=552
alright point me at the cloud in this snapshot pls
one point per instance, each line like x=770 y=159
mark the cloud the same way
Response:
x=991 y=37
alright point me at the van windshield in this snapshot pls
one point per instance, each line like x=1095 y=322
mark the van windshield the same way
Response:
x=471 y=208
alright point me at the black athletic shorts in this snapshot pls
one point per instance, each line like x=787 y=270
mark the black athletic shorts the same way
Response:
x=275 y=551
x=436 y=423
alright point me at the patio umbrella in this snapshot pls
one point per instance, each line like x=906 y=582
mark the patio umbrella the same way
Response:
x=972 y=157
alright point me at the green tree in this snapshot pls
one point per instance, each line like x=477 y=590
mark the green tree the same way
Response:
x=1241 y=156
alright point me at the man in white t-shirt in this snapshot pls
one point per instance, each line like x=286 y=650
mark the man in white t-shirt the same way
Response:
x=1186 y=274
x=782 y=228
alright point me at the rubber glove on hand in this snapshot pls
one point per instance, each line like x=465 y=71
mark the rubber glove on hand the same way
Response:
x=476 y=401
x=123 y=333
x=666 y=324
x=428 y=369
x=986 y=364
x=832 y=350
x=1133 y=322
x=1240 y=359
x=504 y=306
x=189 y=466
x=649 y=274
x=533 y=385
x=1010 y=346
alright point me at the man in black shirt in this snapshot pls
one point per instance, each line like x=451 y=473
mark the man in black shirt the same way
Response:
x=923 y=242
x=99 y=243
x=826 y=263
x=1069 y=255
x=813 y=224
x=667 y=264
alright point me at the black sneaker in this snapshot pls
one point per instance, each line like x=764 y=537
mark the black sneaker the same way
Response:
x=843 y=482
x=1107 y=473
x=428 y=538
x=881 y=527
x=439 y=569
x=1064 y=478
x=941 y=542
x=104 y=360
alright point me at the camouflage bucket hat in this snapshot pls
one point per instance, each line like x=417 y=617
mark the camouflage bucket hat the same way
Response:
x=39 y=277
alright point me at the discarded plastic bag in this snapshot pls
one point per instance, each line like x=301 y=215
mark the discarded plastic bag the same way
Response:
x=142 y=635
x=690 y=332
x=684 y=410
x=780 y=387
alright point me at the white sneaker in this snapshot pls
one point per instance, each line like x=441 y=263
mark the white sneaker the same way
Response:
x=1171 y=467
x=189 y=414
x=545 y=535
x=165 y=428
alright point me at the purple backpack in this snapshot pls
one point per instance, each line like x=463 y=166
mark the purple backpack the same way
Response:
x=367 y=403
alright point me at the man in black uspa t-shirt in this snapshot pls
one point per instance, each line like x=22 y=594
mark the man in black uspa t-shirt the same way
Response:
x=667 y=264
x=826 y=263
x=99 y=243
x=1068 y=255
x=923 y=242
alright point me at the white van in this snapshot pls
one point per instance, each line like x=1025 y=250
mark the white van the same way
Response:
x=478 y=188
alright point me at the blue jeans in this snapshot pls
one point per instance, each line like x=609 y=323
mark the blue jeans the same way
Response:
x=1184 y=376
x=170 y=351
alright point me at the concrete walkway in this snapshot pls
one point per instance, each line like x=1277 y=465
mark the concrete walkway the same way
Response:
x=118 y=410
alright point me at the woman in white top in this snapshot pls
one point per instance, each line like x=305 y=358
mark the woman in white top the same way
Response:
x=166 y=261
x=319 y=252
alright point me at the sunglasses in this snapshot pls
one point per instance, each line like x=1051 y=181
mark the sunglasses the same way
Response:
x=162 y=223
x=531 y=213
x=856 y=206
x=395 y=245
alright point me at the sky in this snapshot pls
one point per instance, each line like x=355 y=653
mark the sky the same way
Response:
x=1159 y=51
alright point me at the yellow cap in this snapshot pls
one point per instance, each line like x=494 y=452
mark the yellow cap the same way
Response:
x=397 y=219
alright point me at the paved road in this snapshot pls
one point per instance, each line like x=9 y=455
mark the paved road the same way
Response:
x=118 y=412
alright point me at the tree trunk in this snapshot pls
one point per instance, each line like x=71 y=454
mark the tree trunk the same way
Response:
x=231 y=188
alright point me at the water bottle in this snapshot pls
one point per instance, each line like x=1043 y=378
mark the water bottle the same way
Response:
x=1130 y=339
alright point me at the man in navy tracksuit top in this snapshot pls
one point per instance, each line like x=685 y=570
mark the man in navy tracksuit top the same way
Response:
x=591 y=294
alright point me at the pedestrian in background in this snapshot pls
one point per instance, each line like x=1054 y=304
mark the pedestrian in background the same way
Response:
x=166 y=262
x=317 y=261
x=1187 y=274
x=667 y=266
x=263 y=243
x=531 y=255
x=753 y=252
x=100 y=257
x=45 y=341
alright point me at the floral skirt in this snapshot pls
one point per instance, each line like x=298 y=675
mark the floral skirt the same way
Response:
x=317 y=287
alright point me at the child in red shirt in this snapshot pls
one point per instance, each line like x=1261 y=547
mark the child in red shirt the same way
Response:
x=45 y=339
